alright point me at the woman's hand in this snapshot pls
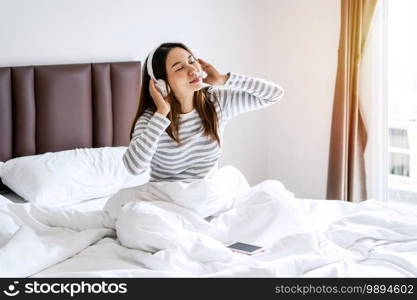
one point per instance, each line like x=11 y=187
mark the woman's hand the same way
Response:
x=163 y=106
x=213 y=76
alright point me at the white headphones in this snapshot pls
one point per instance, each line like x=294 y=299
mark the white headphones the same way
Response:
x=160 y=84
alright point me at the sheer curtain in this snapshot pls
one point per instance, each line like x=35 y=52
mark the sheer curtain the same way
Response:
x=374 y=104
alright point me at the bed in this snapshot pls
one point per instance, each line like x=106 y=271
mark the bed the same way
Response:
x=42 y=238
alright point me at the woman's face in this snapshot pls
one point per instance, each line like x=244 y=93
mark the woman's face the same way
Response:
x=182 y=69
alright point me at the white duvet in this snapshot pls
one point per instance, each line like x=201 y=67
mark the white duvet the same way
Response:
x=162 y=229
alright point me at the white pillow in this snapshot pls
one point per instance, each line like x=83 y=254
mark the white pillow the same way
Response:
x=70 y=176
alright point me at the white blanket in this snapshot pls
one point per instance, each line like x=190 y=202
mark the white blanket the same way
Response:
x=161 y=229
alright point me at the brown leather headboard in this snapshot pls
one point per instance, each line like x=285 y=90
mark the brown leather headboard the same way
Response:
x=59 y=107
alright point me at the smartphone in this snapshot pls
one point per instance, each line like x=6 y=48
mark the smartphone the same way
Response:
x=247 y=249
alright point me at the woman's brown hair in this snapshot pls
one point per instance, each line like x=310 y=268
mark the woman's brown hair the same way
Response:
x=202 y=104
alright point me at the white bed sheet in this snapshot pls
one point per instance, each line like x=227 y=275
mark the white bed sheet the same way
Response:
x=300 y=251
x=107 y=258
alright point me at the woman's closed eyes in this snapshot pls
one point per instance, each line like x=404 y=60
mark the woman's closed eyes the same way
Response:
x=192 y=62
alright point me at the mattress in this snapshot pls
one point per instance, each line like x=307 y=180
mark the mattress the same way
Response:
x=12 y=197
x=88 y=205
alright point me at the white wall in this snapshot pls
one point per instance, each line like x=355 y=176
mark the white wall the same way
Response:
x=291 y=42
x=304 y=52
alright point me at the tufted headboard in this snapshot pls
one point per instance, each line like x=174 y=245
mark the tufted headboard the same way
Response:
x=59 y=107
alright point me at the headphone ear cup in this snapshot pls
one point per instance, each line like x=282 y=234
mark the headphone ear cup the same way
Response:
x=162 y=87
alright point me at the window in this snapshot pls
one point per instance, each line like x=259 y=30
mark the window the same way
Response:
x=402 y=99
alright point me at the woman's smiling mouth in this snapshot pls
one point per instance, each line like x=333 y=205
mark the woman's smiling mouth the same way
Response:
x=196 y=80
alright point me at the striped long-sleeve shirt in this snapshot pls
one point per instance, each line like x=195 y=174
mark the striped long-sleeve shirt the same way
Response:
x=198 y=154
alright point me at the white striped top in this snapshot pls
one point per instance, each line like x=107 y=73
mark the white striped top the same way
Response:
x=198 y=155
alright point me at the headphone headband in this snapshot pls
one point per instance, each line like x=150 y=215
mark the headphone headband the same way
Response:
x=149 y=63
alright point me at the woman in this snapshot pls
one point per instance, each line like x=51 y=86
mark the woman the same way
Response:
x=180 y=137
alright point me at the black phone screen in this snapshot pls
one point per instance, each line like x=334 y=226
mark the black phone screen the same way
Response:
x=244 y=247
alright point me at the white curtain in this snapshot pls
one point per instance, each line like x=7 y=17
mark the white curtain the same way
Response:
x=374 y=105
